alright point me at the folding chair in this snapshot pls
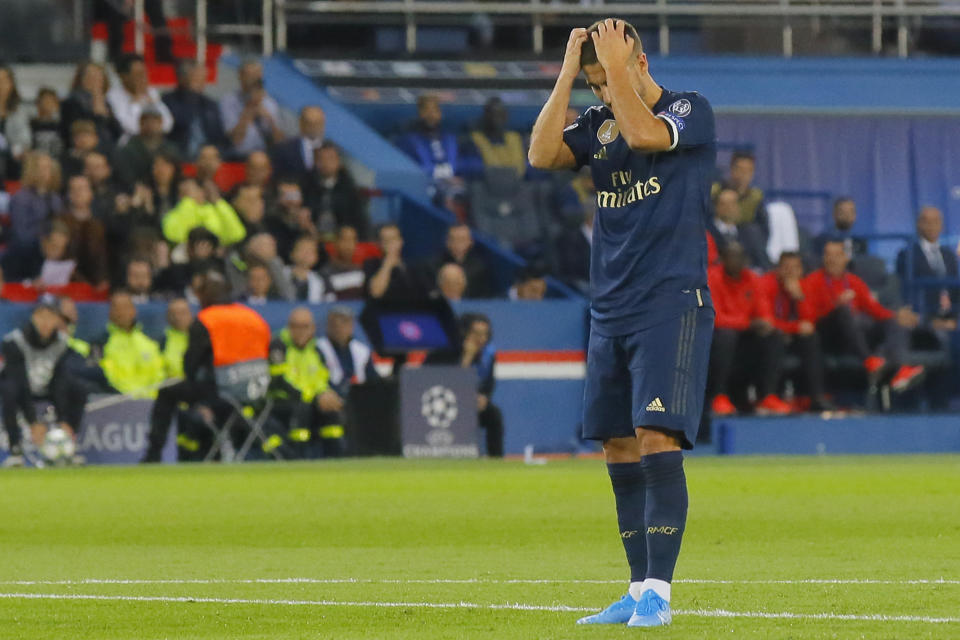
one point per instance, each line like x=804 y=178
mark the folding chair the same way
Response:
x=243 y=387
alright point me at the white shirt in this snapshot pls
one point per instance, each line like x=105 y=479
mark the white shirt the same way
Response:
x=127 y=110
x=932 y=252
x=308 y=147
x=587 y=232
x=725 y=228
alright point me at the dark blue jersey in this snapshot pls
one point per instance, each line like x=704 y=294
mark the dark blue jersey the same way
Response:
x=648 y=261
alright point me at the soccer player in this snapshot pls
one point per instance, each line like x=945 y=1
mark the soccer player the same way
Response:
x=651 y=152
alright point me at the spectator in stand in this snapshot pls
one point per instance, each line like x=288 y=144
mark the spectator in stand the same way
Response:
x=130 y=361
x=164 y=183
x=345 y=277
x=88 y=101
x=724 y=229
x=743 y=167
x=133 y=226
x=794 y=318
x=259 y=249
x=202 y=207
x=577 y=195
x=844 y=217
x=208 y=163
x=249 y=205
x=850 y=320
x=98 y=171
x=498 y=147
x=390 y=278
x=289 y=218
x=477 y=352
x=87 y=236
x=15 y=136
x=437 y=152
x=52 y=265
x=134 y=160
x=927 y=258
x=296 y=156
x=332 y=195
x=202 y=246
x=348 y=360
x=259 y=173
x=531 y=284
x=573 y=252
x=175 y=338
x=45 y=129
x=83 y=140
x=743 y=332
x=308 y=285
x=135 y=95
x=452 y=282
x=250 y=116
x=140 y=281
x=196 y=118
x=461 y=250
x=35 y=365
x=37 y=201
x=260 y=289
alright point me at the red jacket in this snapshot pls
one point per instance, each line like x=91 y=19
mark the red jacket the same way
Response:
x=822 y=291
x=737 y=301
x=787 y=312
x=713 y=254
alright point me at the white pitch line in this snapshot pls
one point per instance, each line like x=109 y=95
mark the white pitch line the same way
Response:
x=823 y=581
x=702 y=613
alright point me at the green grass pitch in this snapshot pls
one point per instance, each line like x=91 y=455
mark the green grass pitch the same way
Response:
x=376 y=548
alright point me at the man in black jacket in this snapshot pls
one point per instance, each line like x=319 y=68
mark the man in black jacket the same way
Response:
x=332 y=196
x=196 y=118
x=476 y=351
x=35 y=366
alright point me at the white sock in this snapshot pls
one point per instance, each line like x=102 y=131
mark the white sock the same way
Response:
x=659 y=587
x=636 y=588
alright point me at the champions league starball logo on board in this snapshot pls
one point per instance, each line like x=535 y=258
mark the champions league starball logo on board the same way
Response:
x=411 y=331
x=438 y=406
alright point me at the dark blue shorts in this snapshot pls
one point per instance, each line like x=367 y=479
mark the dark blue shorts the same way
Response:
x=656 y=377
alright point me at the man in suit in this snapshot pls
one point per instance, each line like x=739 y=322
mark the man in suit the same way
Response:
x=296 y=156
x=196 y=118
x=724 y=228
x=929 y=259
x=573 y=252
x=844 y=217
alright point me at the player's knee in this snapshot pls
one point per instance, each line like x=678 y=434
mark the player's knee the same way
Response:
x=651 y=441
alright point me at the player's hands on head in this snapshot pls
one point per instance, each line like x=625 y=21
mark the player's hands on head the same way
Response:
x=614 y=47
x=571 y=57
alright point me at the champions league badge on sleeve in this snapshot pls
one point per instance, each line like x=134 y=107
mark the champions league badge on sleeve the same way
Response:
x=681 y=108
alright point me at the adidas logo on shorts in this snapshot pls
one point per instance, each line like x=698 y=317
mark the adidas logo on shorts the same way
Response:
x=656 y=405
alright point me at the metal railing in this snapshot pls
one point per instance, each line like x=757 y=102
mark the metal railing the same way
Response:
x=202 y=28
x=789 y=11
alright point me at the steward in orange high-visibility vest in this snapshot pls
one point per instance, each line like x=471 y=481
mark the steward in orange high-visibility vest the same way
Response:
x=223 y=334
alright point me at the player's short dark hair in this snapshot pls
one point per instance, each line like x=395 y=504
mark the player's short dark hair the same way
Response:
x=588 y=53
x=743 y=154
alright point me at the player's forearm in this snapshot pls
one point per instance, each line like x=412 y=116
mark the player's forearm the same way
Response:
x=641 y=130
x=547 y=136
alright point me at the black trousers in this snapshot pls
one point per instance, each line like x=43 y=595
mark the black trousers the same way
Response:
x=807 y=349
x=69 y=399
x=294 y=414
x=107 y=11
x=491 y=420
x=166 y=404
x=846 y=331
x=747 y=353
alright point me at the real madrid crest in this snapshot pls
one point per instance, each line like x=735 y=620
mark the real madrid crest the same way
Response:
x=608 y=131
